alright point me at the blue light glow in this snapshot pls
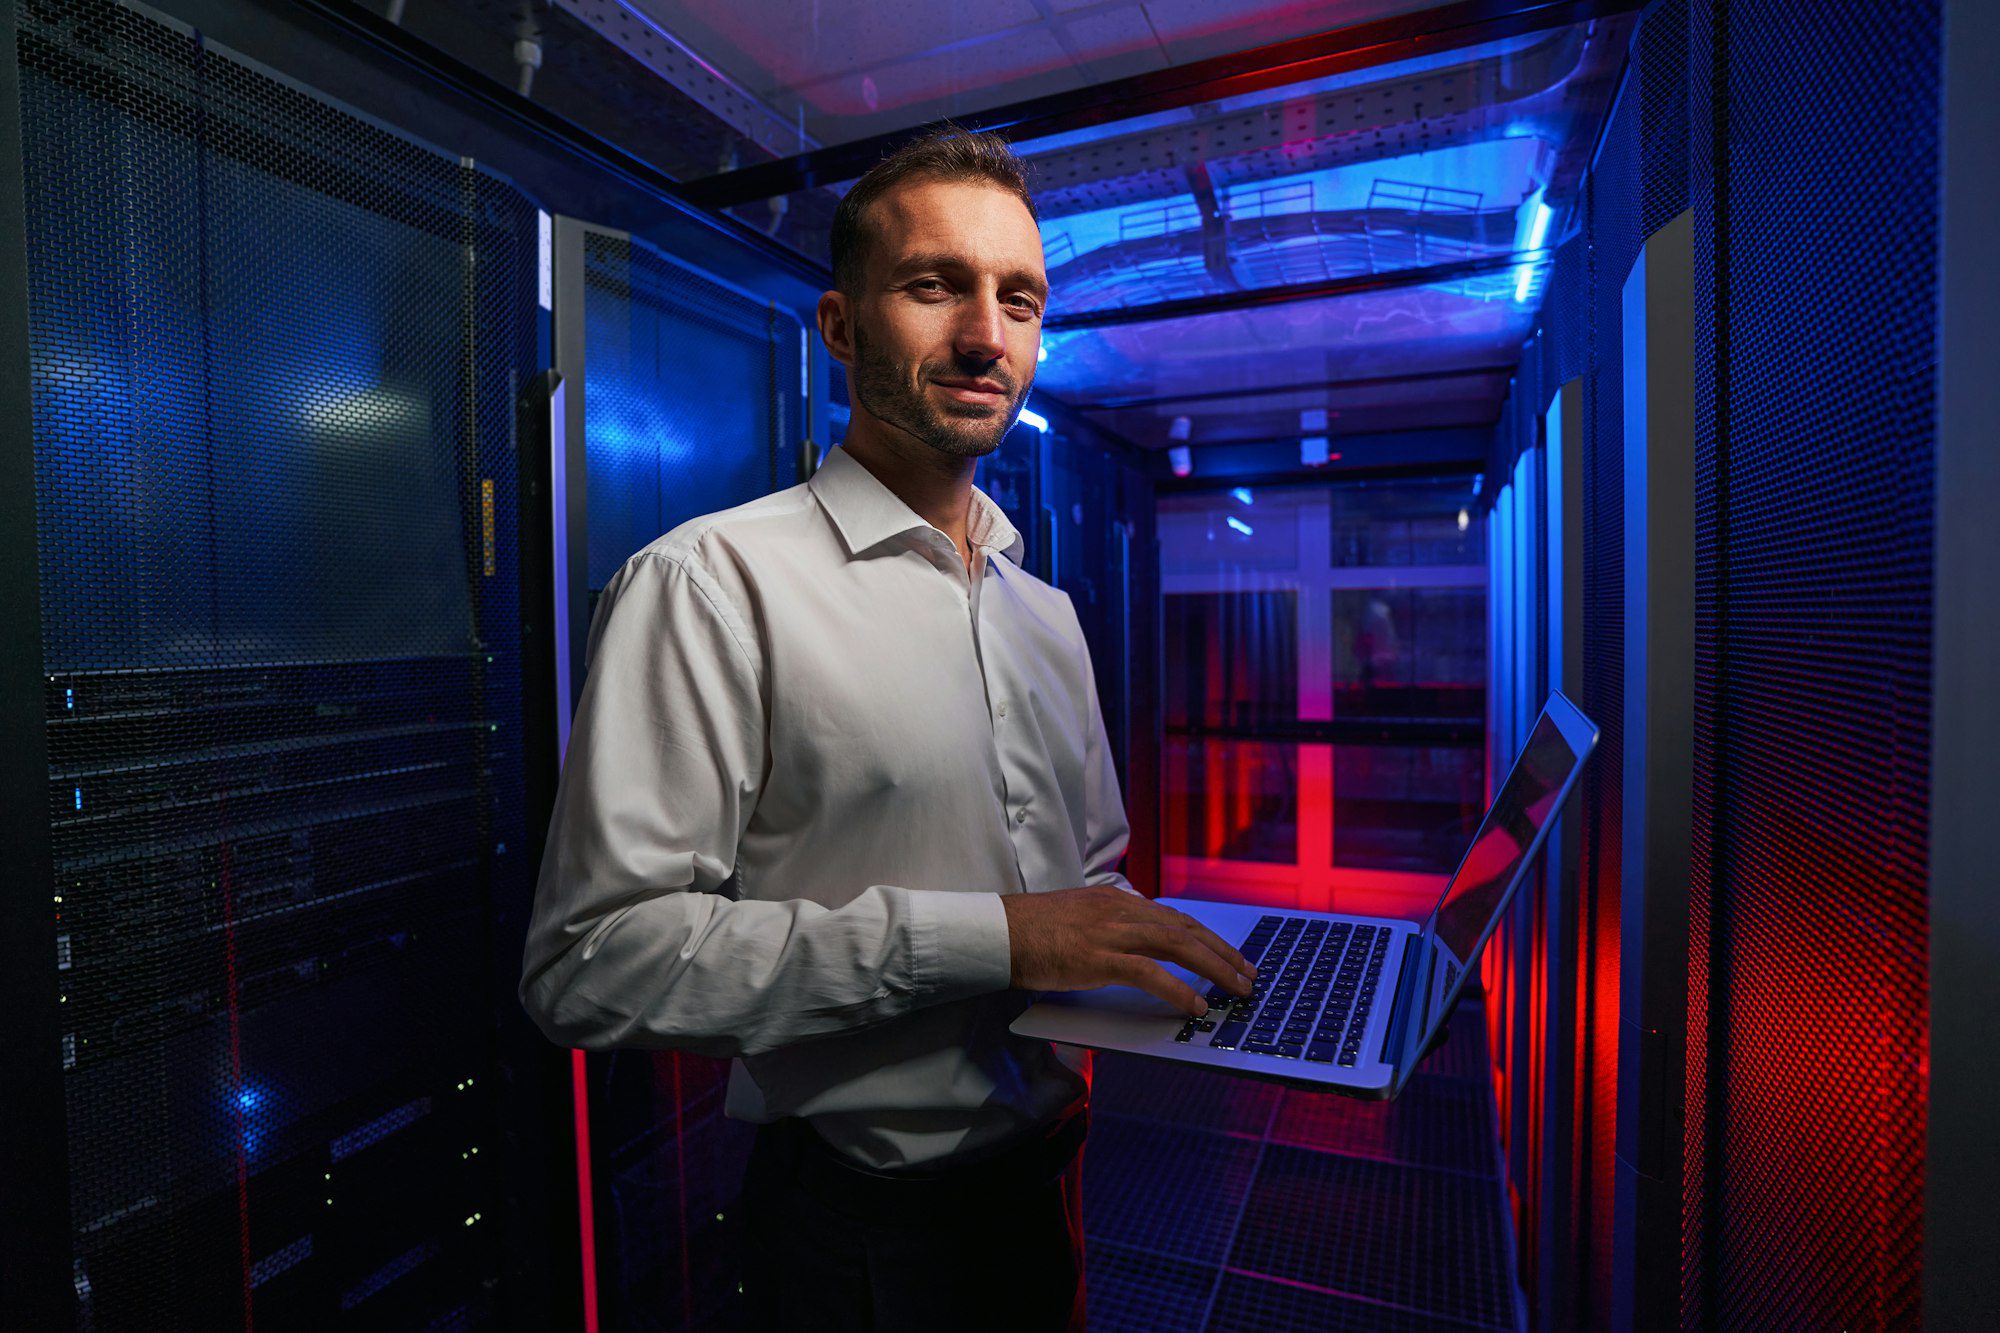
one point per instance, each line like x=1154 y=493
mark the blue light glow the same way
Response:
x=1538 y=231
x=249 y=1098
x=1035 y=419
x=1240 y=525
x=79 y=798
x=1042 y=352
x=69 y=698
x=1242 y=494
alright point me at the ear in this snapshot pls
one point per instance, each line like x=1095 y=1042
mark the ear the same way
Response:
x=836 y=326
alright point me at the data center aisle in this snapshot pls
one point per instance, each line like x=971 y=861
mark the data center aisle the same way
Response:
x=1215 y=1204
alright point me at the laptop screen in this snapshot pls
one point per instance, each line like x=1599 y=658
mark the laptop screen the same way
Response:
x=1507 y=840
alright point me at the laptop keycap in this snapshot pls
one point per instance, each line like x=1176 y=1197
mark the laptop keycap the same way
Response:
x=1313 y=996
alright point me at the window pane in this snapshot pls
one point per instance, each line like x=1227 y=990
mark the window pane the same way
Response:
x=1232 y=658
x=1410 y=523
x=1406 y=807
x=1237 y=800
x=1410 y=652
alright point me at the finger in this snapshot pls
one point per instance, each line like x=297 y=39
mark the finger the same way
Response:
x=1157 y=981
x=1214 y=941
x=1186 y=948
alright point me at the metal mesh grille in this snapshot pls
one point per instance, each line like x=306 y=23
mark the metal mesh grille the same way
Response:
x=1702 y=202
x=693 y=403
x=274 y=354
x=1246 y=1206
x=693 y=397
x=1815 y=612
x=1639 y=182
x=1660 y=60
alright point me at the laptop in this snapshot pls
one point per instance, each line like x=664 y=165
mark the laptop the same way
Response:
x=1344 y=1003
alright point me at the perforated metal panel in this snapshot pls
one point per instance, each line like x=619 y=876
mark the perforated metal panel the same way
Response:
x=1639 y=181
x=693 y=402
x=694 y=396
x=1219 y=1203
x=1815 y=585
x=275 y=352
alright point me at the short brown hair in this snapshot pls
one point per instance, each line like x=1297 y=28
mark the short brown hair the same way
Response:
x=945 y=153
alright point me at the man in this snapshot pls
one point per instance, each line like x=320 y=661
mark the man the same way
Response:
x=837 y=795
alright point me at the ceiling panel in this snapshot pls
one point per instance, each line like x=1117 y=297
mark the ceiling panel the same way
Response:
x=1265 y=209
x=849 y=69
x=1196 y=29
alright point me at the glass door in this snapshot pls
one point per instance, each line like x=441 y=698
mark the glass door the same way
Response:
x=1325 y=664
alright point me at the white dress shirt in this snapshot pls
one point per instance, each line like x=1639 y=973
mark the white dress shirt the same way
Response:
x=810 y=755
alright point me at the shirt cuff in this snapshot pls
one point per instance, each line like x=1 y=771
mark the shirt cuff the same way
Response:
x=959 y=945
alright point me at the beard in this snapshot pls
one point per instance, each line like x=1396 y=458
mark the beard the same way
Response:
x=891 y=395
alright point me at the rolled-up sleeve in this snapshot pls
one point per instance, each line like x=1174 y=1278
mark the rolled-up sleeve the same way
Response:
x=636 y=939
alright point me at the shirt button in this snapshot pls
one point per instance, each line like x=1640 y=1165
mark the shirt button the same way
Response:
x=1021 y=815
x=1003 y=710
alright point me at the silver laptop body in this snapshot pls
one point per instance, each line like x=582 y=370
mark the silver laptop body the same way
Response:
x=1345 y=1003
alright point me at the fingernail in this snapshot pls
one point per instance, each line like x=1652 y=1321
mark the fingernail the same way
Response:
x=1201 y=1009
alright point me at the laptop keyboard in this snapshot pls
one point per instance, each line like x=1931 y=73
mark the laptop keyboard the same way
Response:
x=1314 y=991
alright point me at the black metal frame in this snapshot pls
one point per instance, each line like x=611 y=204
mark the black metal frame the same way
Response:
x=1315 y=386
x=1961 y=1225
x=1359 y=46
x=1190 y=307
x=1658 y=799
x=35 y=1251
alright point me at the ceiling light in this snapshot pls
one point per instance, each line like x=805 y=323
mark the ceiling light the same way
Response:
x=1538 y=231
x=1182 y=459
x=1035 y=419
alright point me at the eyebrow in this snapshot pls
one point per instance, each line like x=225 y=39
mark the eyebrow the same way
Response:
x=918 y=263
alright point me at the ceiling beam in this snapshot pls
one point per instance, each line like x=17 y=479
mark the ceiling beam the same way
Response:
x=1272 y=390
x=1360 y=46
x=1189 y=307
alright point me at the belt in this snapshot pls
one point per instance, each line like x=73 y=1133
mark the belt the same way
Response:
x=900 y=1197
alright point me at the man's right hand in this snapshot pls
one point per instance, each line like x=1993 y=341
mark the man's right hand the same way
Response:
x=1079 y=939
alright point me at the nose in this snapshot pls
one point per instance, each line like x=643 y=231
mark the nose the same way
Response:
x=981 y=334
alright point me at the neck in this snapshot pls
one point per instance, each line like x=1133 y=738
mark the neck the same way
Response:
x=936 y=486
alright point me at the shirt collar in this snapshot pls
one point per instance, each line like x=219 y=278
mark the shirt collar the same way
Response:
x=867 y=513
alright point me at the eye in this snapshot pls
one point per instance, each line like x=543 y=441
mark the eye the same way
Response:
x=932 y=285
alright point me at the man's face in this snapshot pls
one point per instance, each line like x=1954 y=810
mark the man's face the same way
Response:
x=949 y=318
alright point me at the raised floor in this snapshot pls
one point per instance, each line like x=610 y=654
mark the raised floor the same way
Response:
x=1216 y=1203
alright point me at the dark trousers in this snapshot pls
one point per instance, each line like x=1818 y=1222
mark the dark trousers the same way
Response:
x=830 y=1247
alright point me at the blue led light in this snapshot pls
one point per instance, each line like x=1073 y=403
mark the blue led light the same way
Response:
x=1242 y=494
x=79 y=798
x=1538 y=232
x=1042 y=352
x=69 y=698
x=1035 y=419
x=1240 y=525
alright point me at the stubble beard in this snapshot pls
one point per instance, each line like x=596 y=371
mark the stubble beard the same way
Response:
x=896 y=399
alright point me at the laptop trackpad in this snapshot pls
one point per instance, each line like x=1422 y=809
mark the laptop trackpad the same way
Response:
x=1116 y=1017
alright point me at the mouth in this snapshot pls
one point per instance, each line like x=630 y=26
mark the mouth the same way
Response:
x=983 y=392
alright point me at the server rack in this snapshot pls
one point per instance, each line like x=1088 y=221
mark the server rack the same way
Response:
x=680 y=395
x=278 y=856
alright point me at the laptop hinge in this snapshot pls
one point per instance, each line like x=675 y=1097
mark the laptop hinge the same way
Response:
x=1399 y=1015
